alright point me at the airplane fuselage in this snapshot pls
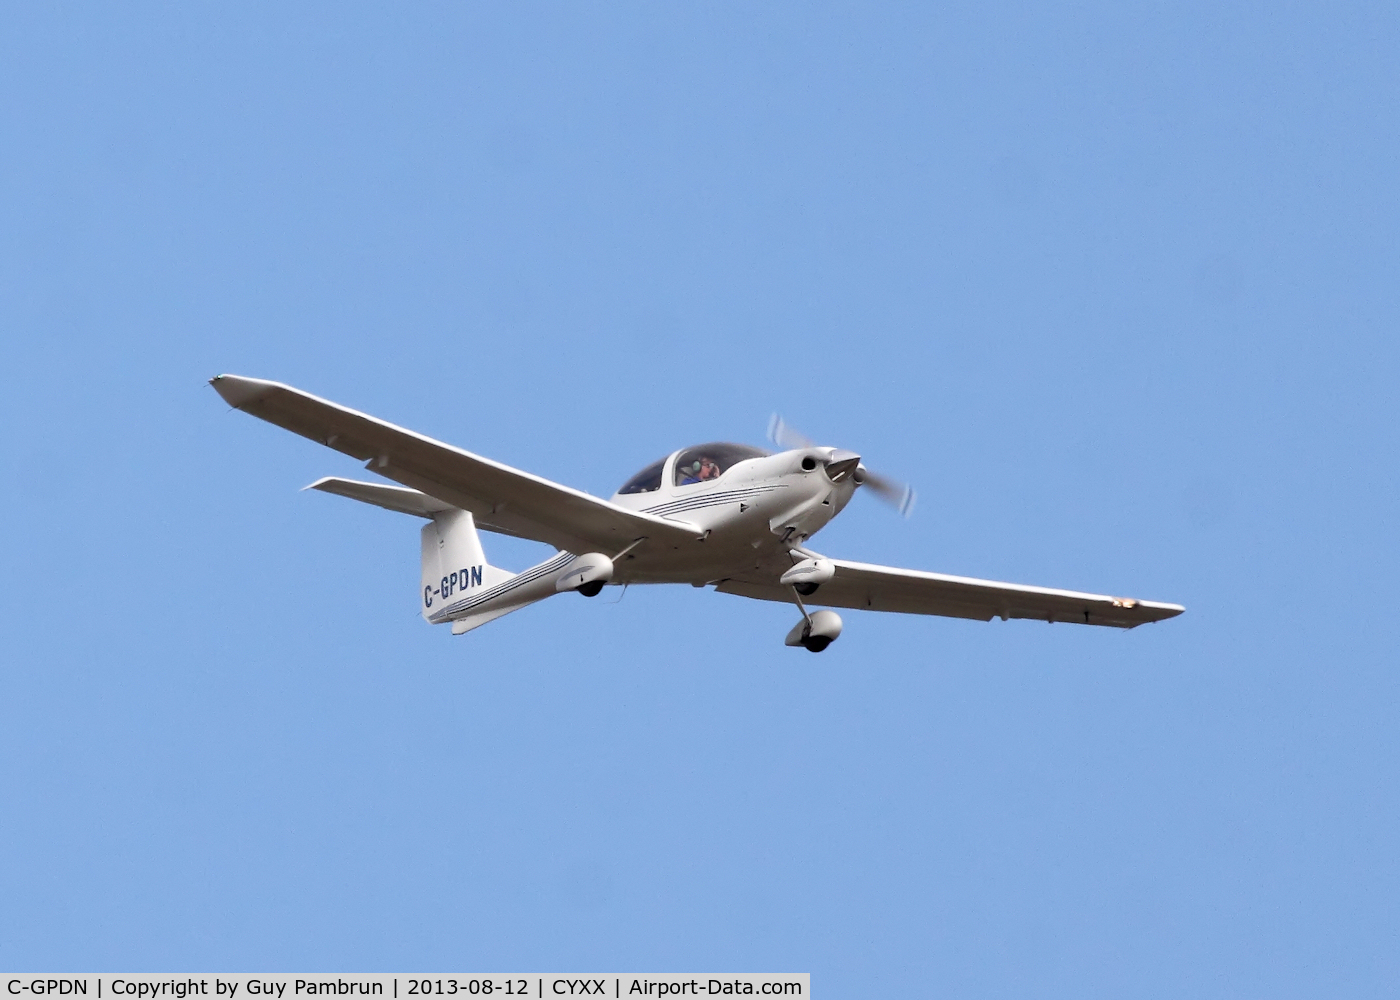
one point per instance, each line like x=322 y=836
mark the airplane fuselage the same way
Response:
x=749 y=518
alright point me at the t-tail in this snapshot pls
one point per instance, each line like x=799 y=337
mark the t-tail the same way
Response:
x=456 y=583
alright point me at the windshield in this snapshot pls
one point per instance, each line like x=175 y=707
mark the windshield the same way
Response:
x=710 y=461
x=646 y=481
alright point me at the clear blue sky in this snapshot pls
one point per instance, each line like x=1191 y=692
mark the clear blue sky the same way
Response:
x=1117 y=287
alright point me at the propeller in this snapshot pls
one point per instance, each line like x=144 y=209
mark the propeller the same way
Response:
x=898 y=495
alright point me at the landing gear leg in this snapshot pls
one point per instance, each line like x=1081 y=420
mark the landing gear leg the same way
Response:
x=797 y=596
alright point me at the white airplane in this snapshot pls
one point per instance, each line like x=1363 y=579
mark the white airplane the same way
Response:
x=721 y=515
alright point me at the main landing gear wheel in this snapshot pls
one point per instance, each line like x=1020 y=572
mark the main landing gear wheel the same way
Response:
x=591 y=589
x=815 y=631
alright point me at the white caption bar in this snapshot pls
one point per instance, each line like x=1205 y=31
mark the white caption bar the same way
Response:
x=459 y=985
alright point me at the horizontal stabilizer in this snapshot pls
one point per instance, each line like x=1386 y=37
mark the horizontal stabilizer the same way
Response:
x=399 y=498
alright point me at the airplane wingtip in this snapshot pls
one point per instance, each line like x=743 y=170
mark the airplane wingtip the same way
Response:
x=237 y=391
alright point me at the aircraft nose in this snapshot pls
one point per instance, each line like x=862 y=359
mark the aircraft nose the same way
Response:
x=841 y=464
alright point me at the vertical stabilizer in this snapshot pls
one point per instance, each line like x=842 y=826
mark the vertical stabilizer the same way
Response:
x=454 y=565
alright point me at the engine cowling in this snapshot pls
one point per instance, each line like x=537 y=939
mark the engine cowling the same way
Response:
x=586 y=574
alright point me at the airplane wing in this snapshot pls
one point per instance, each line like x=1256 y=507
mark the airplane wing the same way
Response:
x=885 y=588
x=500 y=498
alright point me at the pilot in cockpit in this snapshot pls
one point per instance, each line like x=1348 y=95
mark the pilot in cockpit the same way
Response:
x=700 y=471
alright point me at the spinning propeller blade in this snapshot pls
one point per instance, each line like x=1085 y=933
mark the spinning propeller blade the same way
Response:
x=898 y=495
x=786 y=436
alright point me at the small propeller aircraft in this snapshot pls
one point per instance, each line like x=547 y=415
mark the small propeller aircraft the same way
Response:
x=721 y=515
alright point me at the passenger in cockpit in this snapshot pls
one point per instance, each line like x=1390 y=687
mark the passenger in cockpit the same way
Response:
x=708 y=469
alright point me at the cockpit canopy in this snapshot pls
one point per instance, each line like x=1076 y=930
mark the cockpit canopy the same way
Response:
x=646 y=481
x=710 y=461
x=694 y=465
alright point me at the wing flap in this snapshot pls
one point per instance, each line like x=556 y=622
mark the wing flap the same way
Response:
x=501 y=498
x=906 y=591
